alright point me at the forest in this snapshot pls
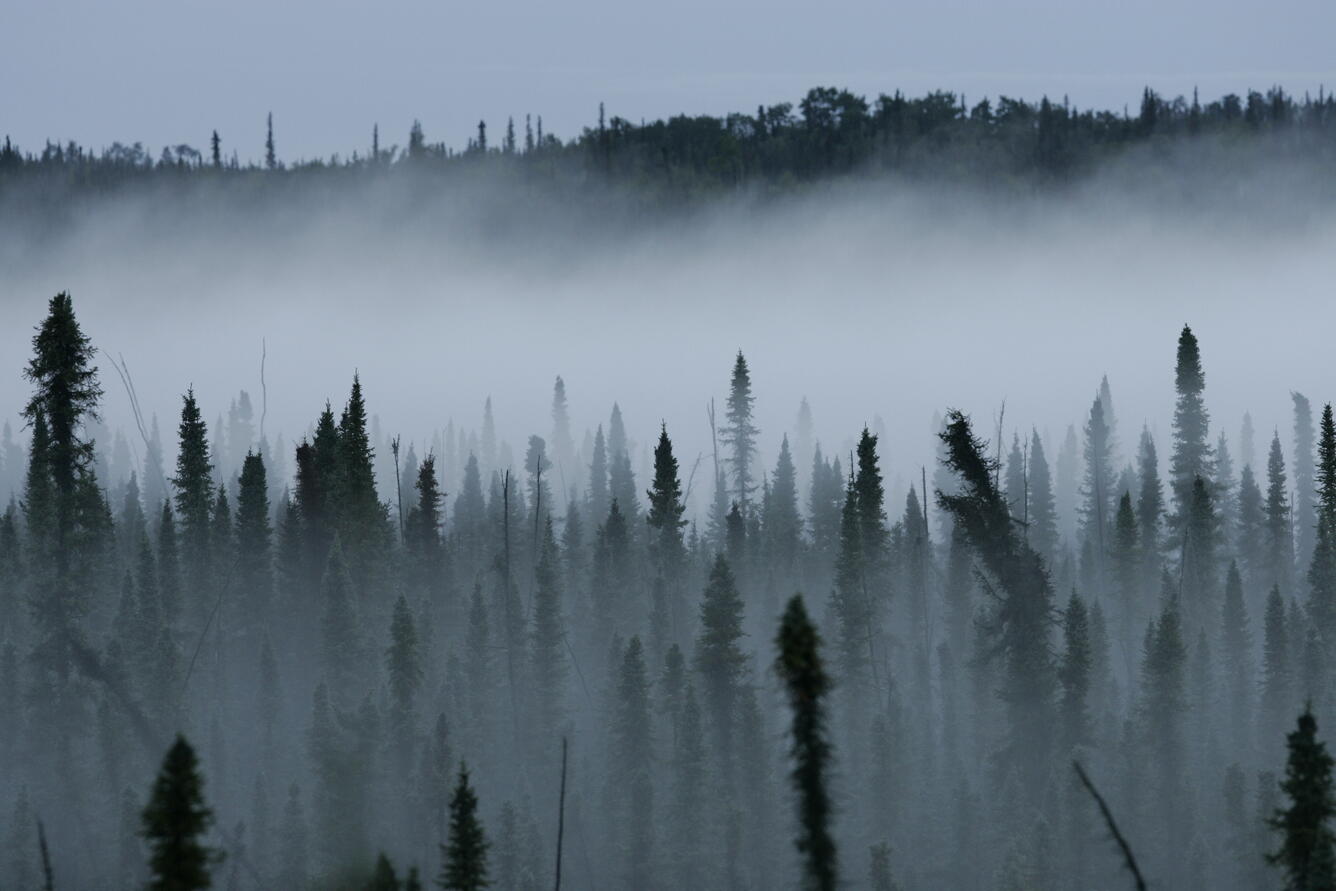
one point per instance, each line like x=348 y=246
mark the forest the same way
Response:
x=1088 y=660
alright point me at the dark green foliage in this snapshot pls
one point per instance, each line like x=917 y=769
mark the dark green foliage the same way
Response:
x=194 y=490
x=799 y=665
x=174 y=823
x=254 y=538
x=739 y=433
x=1041 y=516
x=632 y=754
x=403 y=665
x=719 y=659
x=1277 y=669
x=547 y=659
x=1191 y=456
x=1074 y=674
x=1279 y=540
x=383 y=877
x=1307 y=852
x=465 y=853
x=66 y=392
x=1019 y=624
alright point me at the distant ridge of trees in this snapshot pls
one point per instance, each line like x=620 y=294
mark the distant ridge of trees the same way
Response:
x=830 y=132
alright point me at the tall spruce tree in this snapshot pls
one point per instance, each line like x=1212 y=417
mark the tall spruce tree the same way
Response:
x=464 y=866
x=631 y=774
x=739 y=433
x=194 y=498
x=665 y=518
x=1019 y=622
x=1191 y=456
x=1279 y=538
x=254 y=539
x=719 y=658
x=1305 y=511
x=174 y=823
x=800 y=666
x=1307 y=853
x=1041 y=513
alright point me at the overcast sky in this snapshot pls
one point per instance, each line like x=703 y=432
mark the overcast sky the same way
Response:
x=169 y=72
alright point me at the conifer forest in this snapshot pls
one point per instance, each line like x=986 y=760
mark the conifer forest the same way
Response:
x=871 y=493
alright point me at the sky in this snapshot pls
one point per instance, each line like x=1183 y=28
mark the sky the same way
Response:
x=166 y=73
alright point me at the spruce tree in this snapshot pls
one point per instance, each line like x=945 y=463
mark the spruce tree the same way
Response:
x=174 y=823
x=719 y=658
x=631 y=774
x=1150 y=508
x=1277 y=669
x=1074 y=674
x=194 y=497
x=1041 y=514
x=254 y=537
x=665 y=518
x=1019 y=622
x=739 y=433
x=800 y=666
x=547 y=656
x=1305 y=512
x=1191 y=456
x=1097 y=490
x=1237 y=643
x=403 y=667
x=464 y=855
x=598 y=477
x=1307 y=853
x=621 y=479
x=1279 y=540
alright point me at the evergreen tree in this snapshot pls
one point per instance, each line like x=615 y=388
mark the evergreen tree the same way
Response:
x=1279 y=540
x=547 y=655
x=1237 y=641
x=254 y=537
x=361 y=517
x=1041 y=512
x=666 y=509
x=423 y=531
x=174 y=822
x=799 y=665
x=563 y=447
x=1305 y=513
x=1097 y=490
x=598 y=477
x=870 y=500
x=465 y=854
x=194 y=496
x=1191 y=456
x=1019 y=623
x=782 y=521
x=719 y=659
x=1074 y=674
x=1325 y=473
x=1277 y=671
x=1306 y=853
x=1125 y=558
x=632 y=754
x=621 y=480
x=739 y=433
x=1150 y=508
x=403 y=665
x=340 y=638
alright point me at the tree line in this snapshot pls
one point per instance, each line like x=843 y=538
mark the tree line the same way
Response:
x=829 y=132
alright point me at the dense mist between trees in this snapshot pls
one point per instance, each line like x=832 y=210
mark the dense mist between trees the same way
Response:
x=396 y=483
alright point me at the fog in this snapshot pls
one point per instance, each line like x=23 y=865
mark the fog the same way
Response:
x=882 y=301
x=890 y=300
